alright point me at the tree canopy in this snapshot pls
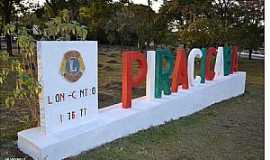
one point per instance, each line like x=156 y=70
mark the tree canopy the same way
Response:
x=179 y=22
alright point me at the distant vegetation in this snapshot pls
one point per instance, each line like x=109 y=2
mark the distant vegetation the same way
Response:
x=192 y=23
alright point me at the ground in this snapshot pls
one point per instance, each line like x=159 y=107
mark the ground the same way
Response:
x=230 y=130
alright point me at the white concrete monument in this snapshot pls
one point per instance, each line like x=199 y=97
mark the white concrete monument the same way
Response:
x=150 y=79
x=68 y=75
x=70 y=119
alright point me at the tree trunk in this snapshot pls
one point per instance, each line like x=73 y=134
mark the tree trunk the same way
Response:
x=19 y=49
x=250 y=54
x=9 y=44
x=7 y=13
x=1 y=30
x=0 y=43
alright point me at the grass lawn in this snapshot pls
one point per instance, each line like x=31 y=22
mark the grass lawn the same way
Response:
x=230 y=130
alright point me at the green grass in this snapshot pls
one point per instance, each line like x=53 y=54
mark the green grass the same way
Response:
x=233 y=129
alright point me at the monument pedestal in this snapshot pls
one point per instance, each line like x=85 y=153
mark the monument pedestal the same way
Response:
x=114 y=122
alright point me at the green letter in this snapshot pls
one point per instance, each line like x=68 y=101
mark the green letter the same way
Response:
x=227 y=61
x=203 y=64
x=162 y=79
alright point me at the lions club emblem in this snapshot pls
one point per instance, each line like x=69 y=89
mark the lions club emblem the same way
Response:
x=72 y=66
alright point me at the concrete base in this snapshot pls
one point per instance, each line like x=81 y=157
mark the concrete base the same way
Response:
x=114 y=122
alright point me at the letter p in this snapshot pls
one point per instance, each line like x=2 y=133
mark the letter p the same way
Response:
x=128 y=80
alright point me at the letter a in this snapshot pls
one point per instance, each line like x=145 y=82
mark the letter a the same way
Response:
x=234 y=59
x=180 y=71
x=210 y=74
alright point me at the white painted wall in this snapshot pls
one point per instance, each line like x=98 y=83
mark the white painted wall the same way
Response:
x=150 y=78
x=219 y=65
x=50 y=56
x=194 y=53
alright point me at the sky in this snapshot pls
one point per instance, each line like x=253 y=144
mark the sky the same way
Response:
x=155 y=5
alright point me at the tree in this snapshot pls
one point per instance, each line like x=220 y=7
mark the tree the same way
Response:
x=217 y=22
x=196 y=34
x=183 y=15
x=26 y=86
x=9 y=14
x=1 y=29
x=62 y=27
x=131 y=24
x=122 y=24
x=9 y=11
x=53 y=7
x=251 y=32
x=95 y=15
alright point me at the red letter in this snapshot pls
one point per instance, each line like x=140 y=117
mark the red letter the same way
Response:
x=234 y=67
x=128 y=81
x=210 y=74
x=180 y=71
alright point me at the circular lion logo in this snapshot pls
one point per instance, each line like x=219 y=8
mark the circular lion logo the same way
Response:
x=72 y=66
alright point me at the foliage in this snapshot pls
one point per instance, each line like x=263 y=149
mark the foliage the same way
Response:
x=131 y=24
x=24 y=68
x=62 y=27
x=95 y=15
x=26 y=87
x=251 y=26
x=217 y=22
x=197 y=33
x=127 y=23
x=121 y=27
x=9 y=9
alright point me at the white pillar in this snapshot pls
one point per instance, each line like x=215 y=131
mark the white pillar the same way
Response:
x=219 y=66
x=150 y=78
x=194 y=53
